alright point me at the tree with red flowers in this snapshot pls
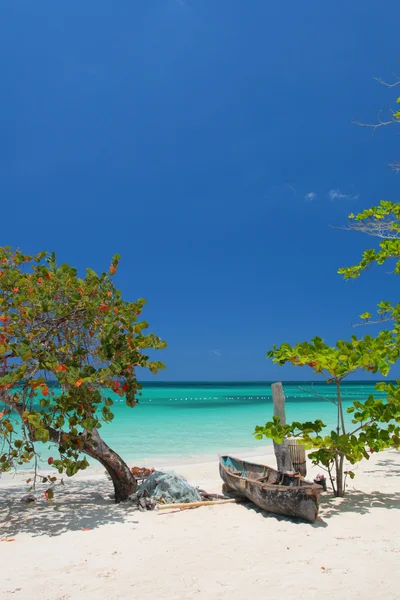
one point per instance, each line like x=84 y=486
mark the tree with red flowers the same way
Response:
x=59 y=328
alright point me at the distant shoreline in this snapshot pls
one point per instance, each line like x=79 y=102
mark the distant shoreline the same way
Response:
x=96 y=471
x=232 y=383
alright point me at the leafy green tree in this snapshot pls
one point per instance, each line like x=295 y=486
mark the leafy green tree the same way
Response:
x=382 y=221
x=375 y=422
x=80 y=334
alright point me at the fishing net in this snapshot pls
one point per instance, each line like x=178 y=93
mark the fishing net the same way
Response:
x=167 y=488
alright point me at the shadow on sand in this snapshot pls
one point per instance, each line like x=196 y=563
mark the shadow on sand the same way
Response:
x=386 y=467
x=79 y=505
x=355 y=501
x=359 y=502
x=85 y=504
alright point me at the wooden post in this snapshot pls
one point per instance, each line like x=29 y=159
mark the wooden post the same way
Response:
x=298 y=456
x=282 y=452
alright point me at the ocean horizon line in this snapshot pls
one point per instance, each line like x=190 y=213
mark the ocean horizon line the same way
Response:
x=233 y=382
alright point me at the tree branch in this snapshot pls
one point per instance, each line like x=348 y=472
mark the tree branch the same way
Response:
x=318 y=395
x=383 y=320
x=380 y=123
x=382 y=229
x=389 y=85
x=362 y=426
x=5 y=396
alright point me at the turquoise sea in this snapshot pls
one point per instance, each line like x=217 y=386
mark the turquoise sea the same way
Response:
x=184 y=420
x=177 y=421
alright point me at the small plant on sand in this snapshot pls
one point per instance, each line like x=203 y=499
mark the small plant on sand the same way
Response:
x=375 y=423
x=66 y=343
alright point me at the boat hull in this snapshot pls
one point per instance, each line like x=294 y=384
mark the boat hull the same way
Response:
x=271 y=490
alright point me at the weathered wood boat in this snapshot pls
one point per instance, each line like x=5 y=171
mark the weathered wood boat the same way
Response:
x=276 y=492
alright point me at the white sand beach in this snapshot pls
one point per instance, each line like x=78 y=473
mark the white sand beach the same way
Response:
x=82 y=546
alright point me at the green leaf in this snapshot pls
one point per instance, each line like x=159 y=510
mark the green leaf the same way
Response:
x=50 y=493
x=365 y=315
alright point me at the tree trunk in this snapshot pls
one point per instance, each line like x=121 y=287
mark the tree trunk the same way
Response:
x=339 y=476
x=340 y=459
x=121 y=475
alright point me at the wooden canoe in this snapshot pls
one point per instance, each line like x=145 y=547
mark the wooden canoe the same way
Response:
x=271 y=490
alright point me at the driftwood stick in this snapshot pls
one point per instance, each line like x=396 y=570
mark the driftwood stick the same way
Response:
x=187 y=505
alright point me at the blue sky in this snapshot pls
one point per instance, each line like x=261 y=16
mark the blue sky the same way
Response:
x=186 y=135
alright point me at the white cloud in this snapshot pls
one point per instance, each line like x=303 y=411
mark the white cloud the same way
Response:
x=338 y=195
x=310 y=197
